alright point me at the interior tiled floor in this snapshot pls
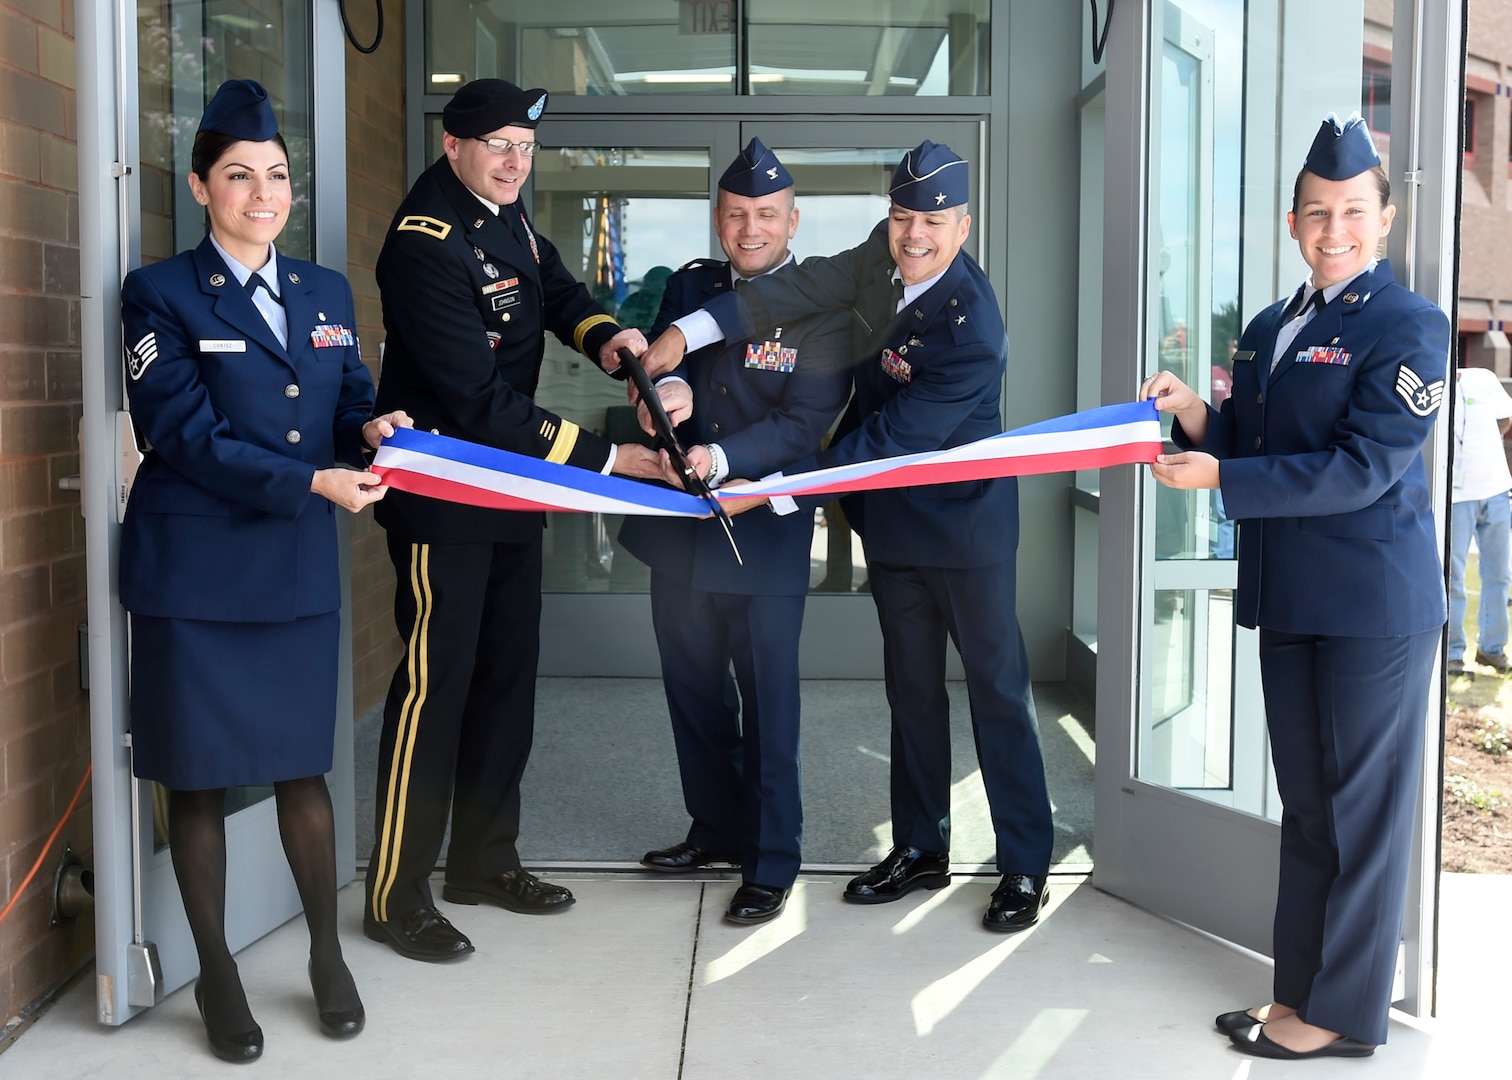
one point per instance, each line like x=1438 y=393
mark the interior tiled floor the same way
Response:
x=642 y=978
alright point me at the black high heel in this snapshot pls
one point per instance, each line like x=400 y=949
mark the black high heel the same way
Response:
x=238 y=1049
x=337 y=1023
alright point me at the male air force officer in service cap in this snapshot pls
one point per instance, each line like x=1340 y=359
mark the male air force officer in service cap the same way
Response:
x=930 y=357
x=469 y=290
x=760 y=404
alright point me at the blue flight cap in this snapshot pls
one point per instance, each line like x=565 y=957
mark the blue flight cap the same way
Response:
x=240 y=110
x=931 y=176
x=485 y=105
x=756 y=172
x=1342 y=150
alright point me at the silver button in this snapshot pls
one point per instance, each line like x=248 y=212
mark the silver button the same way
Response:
x=506 y=316
x=292 y=390
x=435 y=431
x=724 y=391
x=1257 y=442
x=714 y=428
x=1259 y=399
x=952 y=302
x=291 y=437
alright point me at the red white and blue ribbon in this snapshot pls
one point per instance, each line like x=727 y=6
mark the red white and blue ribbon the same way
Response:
x=463 y=472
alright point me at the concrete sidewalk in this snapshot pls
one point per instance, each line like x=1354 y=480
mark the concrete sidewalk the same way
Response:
x=642 y=978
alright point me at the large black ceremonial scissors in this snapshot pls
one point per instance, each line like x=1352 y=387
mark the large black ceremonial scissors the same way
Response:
x=692 y=482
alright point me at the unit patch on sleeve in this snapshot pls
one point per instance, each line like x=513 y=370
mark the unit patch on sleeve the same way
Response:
x=1422 y=398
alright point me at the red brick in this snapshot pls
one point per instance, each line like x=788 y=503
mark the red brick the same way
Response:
x=39 y=320
x=21 y=264
x=20 y=152
x=38 y=753
x=37 y=645
x=18 y=41
x=23 y=374
x=23 y=593
x=68 y=578
x=23 y=484
x=26 y=430
x=36 y=537
x=65 y=377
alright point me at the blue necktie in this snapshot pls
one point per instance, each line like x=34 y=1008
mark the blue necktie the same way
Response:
x=256 y=282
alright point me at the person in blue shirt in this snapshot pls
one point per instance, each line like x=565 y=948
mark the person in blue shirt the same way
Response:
x=1318 y=454
x=246 y=381
x=760 y=403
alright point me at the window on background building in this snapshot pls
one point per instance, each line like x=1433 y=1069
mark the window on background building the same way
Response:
x=928 y=48
x=1375 y=95
x=1472 y=114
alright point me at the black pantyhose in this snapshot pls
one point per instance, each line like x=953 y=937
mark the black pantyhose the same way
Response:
x=308 y=830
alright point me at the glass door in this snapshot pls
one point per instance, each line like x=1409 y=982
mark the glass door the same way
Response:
x=144 y=83
x=1187 y=812
x=626 y=203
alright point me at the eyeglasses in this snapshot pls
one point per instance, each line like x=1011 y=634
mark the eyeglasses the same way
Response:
x=504 y=146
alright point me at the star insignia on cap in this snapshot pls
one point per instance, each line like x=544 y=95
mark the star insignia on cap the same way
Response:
x=771 y=174
x=940 y=199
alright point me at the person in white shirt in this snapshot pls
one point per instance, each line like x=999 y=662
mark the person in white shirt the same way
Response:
x=1483 y=413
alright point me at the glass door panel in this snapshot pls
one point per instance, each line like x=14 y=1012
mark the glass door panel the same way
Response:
x=178 y=53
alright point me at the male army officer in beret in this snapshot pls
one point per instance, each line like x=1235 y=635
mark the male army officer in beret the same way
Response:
x=761 y=403
x=469 y=289
x=931 y=357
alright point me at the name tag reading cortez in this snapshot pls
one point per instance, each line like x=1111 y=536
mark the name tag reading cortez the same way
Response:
x=325 y=337
x=222 y=345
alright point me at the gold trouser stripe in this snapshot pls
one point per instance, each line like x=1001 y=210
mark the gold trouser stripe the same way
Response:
x=417 y=649
x=561 y=447
x=587 y=325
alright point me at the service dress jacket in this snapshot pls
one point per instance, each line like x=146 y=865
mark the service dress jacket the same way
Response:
x=766 y=402
x=221 y=524
x=467 y=299
x=1321 y=463
x=928 y=377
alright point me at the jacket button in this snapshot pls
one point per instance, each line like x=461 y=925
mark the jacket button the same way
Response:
x=952 y=302
x=714 y=428
x=435 y=431
x=291 y=437
x=506 y=316
x=1257 y=442
x=724 y=391
x=292 y=390
x=1259 y=399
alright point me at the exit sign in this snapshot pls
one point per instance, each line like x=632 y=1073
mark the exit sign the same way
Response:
x=706 y=17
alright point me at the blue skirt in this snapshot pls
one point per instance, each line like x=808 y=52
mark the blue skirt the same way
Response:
x=223 y=704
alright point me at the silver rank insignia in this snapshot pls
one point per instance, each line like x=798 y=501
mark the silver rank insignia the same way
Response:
x=491 y=270
x=1422 y=398
x=478 y=252
x=294 y=278
x=478 y=225
x=217 y=280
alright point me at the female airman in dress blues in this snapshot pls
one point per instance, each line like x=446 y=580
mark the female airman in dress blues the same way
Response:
x=1318 y=454
x=246 y=381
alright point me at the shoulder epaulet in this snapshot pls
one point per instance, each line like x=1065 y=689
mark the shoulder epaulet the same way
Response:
x=692 y=263
x=428 y=225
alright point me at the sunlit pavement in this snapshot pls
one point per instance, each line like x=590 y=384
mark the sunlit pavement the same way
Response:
x=643 y=978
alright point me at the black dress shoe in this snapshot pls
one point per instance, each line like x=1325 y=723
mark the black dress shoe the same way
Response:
x=680 y=858
x=337 y=1023
x=904 y=870
x=1016 y=903
x=1256 y=1041
x=240 y=1048
x=422 y=934
x=517 y=890
x=1230 y=1022
x=754 y=903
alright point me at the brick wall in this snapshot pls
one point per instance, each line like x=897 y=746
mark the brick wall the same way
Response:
x=44 y=726
x=375 y=184
x=1486 y=231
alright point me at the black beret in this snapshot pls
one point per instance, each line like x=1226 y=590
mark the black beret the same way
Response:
x=240 y=110
x=485 y=105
